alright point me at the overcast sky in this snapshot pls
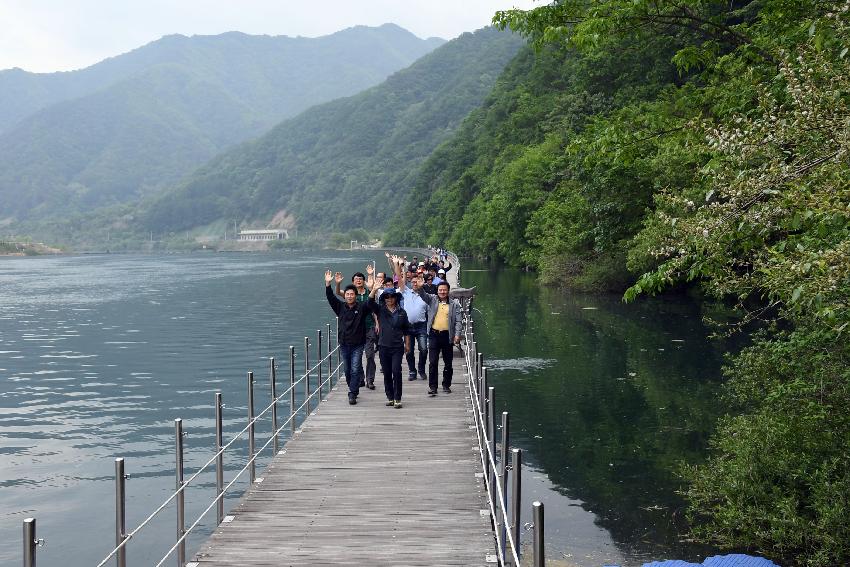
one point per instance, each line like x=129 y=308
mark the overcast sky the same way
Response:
x=59 y=35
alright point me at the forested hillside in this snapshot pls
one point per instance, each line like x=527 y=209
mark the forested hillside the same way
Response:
x=345 y=164
x=135 y=123
x=671 y=143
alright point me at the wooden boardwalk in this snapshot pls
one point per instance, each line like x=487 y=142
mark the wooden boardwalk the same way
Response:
x=367 y=485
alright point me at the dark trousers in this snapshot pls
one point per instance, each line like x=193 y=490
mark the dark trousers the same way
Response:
x=439 y=343
x=370 y=352
x=353 y=365
x=418 y=334
x=391 y=367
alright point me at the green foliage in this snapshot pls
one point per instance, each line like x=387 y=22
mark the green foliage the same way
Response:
x=779 y=481
x=555 y=162
x=696 y=142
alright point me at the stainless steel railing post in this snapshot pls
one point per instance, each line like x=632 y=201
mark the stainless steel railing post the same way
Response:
x=219 y=460
x=330 y=362
x=120 y=512
x=306 y=377
x=252 y=469
x=181 y=496
x=273 y=385
x=481 y=373
x=291 y=390
x=482 y=402
x=516 y=495
x=29 y=542
x=491 y=440
x=503 y=475
x=319 y=363
x=539 y=544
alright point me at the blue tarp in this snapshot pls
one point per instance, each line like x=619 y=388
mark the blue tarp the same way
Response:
x=734 y=560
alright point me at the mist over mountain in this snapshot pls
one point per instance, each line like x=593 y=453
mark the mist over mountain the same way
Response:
x=136 y=123
x=347 y=163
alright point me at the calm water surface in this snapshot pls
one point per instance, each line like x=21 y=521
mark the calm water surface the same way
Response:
x=606 y=400
x=99 y=354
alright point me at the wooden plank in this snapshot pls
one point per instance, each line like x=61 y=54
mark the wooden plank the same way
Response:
x=367 y=485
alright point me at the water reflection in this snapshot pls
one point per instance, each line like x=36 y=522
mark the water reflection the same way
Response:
x=607 y=399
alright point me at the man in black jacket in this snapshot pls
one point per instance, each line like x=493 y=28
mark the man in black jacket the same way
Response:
x=352 y=331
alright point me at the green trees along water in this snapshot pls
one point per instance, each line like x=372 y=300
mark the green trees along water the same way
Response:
x=688 y=141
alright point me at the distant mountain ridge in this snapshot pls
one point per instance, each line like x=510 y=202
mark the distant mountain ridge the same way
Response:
x=137 y=122
x=22 y=93
x=347 y=163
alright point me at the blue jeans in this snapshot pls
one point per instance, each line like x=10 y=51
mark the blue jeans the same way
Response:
x=418 y=333
x=352 y=356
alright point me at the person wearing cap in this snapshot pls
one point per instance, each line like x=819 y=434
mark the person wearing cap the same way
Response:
x=352 y=330
x=440 y=278
x=444 y=326
x=393 y=341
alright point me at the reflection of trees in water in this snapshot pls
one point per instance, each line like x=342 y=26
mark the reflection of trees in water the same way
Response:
x=625 y=404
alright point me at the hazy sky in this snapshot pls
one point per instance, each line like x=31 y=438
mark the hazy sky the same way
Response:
x=59 y=35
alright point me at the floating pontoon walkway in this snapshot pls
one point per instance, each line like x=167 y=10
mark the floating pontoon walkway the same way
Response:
x=367 y=485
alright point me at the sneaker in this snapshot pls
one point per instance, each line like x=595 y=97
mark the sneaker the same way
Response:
x=352 y=401
x=447 y=390
x=362 y=383
x=390 y=403
x=422 y=376
x=397 y=404
x=412 y=377
x=370 y=385
x=432 y=392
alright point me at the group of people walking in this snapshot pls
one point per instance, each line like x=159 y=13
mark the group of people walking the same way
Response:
x=389 y=314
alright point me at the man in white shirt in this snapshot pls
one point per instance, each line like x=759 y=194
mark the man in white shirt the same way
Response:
x=417 y=315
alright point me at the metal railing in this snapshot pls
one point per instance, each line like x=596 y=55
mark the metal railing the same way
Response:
x=123 y=537
x=499 y=467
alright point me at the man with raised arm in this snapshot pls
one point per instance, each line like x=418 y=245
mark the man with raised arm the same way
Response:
x=366 y=378
x=444 y=327
x=352 y=330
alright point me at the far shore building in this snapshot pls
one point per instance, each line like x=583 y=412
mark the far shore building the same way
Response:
x=271 y=234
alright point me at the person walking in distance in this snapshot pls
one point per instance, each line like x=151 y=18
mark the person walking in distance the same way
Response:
x=444 y=325
x=393 y=341
x=352 y=330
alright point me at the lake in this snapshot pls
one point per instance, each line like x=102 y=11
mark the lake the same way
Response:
x=99 y=354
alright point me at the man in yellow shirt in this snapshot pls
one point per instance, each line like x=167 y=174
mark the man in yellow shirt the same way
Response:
x=444 y=327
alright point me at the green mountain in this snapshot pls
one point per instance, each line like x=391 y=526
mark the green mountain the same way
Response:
x=347 y=163
x=138 y=122
x=519 y=155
